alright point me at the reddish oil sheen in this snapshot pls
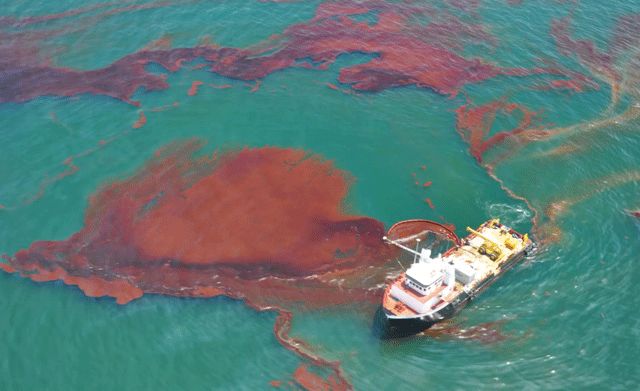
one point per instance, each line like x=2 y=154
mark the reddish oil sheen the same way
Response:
x=306 y=379
x=229 y=225
x=210 y=225
x=194 y=87
x=256 y=86
x=140 y=122
x=430 y=203
x=333 y=86
x=30 y=20
x=163 y=42
x=585 y=50
x=626 y=36
x=313 y=382
x=406 y=54
x=474 y=125
x=70 y=168
x=571 y=85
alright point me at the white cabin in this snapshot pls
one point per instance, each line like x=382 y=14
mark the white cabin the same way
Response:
x=427 y=281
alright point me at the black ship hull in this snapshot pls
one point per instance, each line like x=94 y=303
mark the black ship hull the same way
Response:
x=387 y=326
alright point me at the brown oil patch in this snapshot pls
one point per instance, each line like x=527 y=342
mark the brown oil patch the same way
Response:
x=141 y=121
x=193 y=90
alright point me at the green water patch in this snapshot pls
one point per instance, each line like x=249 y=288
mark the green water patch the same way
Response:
x=155 y=342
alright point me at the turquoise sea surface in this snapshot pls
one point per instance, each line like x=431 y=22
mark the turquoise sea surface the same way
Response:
x=568 y=314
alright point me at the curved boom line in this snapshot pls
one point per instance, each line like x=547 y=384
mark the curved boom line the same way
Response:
x=434 y=226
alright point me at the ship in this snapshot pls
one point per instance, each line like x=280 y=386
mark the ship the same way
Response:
x=437 y=285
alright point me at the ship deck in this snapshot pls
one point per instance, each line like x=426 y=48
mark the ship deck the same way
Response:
x=469 y=255
x=397 y=308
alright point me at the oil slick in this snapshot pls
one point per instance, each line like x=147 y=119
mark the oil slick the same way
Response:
x=405 y=54
x=184 y=224
x=179 y=226
x=235 y=224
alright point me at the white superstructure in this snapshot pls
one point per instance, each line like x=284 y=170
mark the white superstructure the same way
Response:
x=432 y=283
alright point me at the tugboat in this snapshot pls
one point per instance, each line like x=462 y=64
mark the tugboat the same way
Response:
x=436 y=286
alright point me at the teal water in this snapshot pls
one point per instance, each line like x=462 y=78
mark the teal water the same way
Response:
x=570 y=312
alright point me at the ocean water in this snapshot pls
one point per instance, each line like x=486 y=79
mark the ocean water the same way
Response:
x=568 y=313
